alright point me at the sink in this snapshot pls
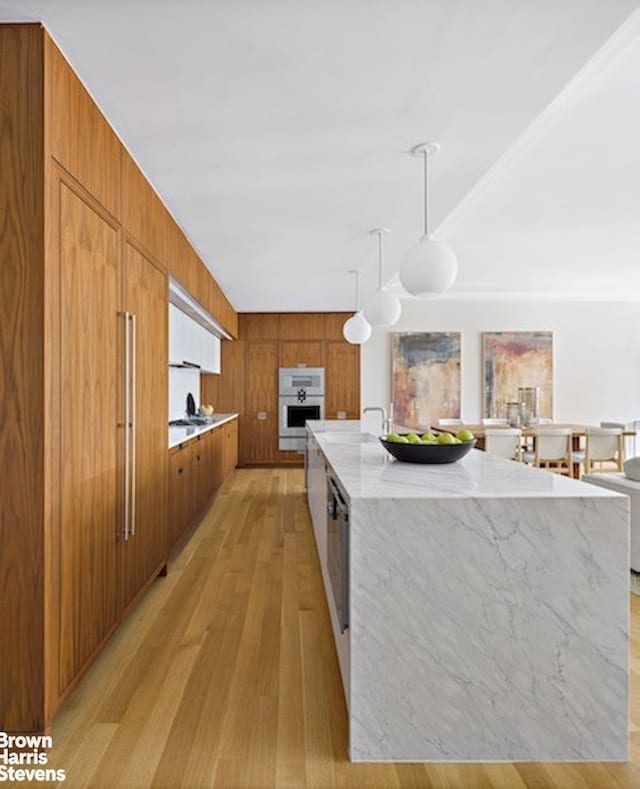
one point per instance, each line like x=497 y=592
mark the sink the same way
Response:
x=349 y=438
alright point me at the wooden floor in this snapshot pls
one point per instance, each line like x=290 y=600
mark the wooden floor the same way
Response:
x=226 y=676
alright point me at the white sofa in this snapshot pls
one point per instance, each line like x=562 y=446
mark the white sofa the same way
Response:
x=621 y=484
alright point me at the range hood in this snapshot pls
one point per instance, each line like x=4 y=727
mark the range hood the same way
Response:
x=184 y=301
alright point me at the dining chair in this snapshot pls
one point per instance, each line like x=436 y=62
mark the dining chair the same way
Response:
x=492 y=421
x=504 y=441
x=629 y=441
x=602 y=445
x=449 y=422
x=551 y=450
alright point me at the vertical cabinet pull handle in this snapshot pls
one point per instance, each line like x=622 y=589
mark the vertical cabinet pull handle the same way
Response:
x=134 y=361
x=127 y=415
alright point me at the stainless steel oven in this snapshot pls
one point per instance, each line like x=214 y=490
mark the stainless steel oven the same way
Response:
x=301 y=397
x=293 y=381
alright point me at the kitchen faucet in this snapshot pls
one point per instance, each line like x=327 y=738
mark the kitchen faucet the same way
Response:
x=386 y=423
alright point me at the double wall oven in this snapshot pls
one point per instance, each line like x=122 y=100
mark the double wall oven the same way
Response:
x=301 y=397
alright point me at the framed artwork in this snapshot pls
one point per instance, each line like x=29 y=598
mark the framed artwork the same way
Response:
x=425 y=377
x=514 y=359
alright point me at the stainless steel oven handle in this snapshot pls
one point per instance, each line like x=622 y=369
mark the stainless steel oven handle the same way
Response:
x=335 y=490
x=344 y=547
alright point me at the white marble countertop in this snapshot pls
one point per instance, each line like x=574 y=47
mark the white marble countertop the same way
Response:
x=178 y=435
x=367 y=471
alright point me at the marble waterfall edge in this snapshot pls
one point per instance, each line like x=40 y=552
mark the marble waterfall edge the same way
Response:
x=489 y=629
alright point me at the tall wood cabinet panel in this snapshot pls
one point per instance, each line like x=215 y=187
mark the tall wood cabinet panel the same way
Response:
x=342 y=375
x=79 y=136
x=22 y=381
x=256 y=433
x=88 y=451
x=145 y=298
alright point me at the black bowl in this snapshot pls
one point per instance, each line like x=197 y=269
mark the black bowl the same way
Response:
x=427 y=453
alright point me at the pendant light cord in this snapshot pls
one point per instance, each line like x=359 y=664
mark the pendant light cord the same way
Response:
x=426 y=193
x=380 y=260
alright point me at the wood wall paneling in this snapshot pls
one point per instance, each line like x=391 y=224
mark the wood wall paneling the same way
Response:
x=89 y=288
x=342 y=377
x=145 y=288
x=301 y=326
x=259 y=326
x=330 y=350
x=80 y=138
x=22 y=382
x=226 y=391
x=310 y=354
x=144 y=215
x=259 y=438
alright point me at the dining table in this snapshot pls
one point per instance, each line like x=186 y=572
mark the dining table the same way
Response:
x=578 y=432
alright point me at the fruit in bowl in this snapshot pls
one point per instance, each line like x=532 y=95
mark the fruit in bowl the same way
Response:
x=428 y=448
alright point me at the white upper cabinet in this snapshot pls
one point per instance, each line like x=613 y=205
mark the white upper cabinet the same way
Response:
x=191 y=344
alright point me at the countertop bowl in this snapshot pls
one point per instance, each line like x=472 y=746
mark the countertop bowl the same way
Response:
x=427 y=453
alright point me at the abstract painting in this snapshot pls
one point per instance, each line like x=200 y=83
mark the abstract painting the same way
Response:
x=425 y=378
x=513 y=359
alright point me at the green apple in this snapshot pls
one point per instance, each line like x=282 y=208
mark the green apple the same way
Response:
x=465 y=435
x=394 y=438
x=433 y=440
x=446 y=438
x=412 y=438
x=428 y=437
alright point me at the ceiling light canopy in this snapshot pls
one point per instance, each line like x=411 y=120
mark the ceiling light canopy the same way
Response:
x=384 y=309
x=357 y=329
x=430 y=267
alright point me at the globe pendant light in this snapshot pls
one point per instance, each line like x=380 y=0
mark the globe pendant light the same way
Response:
x=384 y=309
x=431 y=266
x=356 y=329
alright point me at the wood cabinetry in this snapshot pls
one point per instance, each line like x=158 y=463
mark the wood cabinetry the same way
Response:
x=197 y=469
x=259 y=423
x=294 y=353
x=249 y=380
x=80 y=139
x=86 y=240
x=342 y=376
x=88 y=449
x=179 y=488
x=145 y=299
x=230 y=448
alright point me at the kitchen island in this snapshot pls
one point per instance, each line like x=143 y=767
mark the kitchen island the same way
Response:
x=488 y=605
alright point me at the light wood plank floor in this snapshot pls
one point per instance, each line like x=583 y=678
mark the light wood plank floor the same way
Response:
x=225 y=676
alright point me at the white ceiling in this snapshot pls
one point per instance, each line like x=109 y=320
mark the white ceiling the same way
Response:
x=277 y=131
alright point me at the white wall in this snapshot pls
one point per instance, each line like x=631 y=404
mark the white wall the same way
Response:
x=596 y=352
